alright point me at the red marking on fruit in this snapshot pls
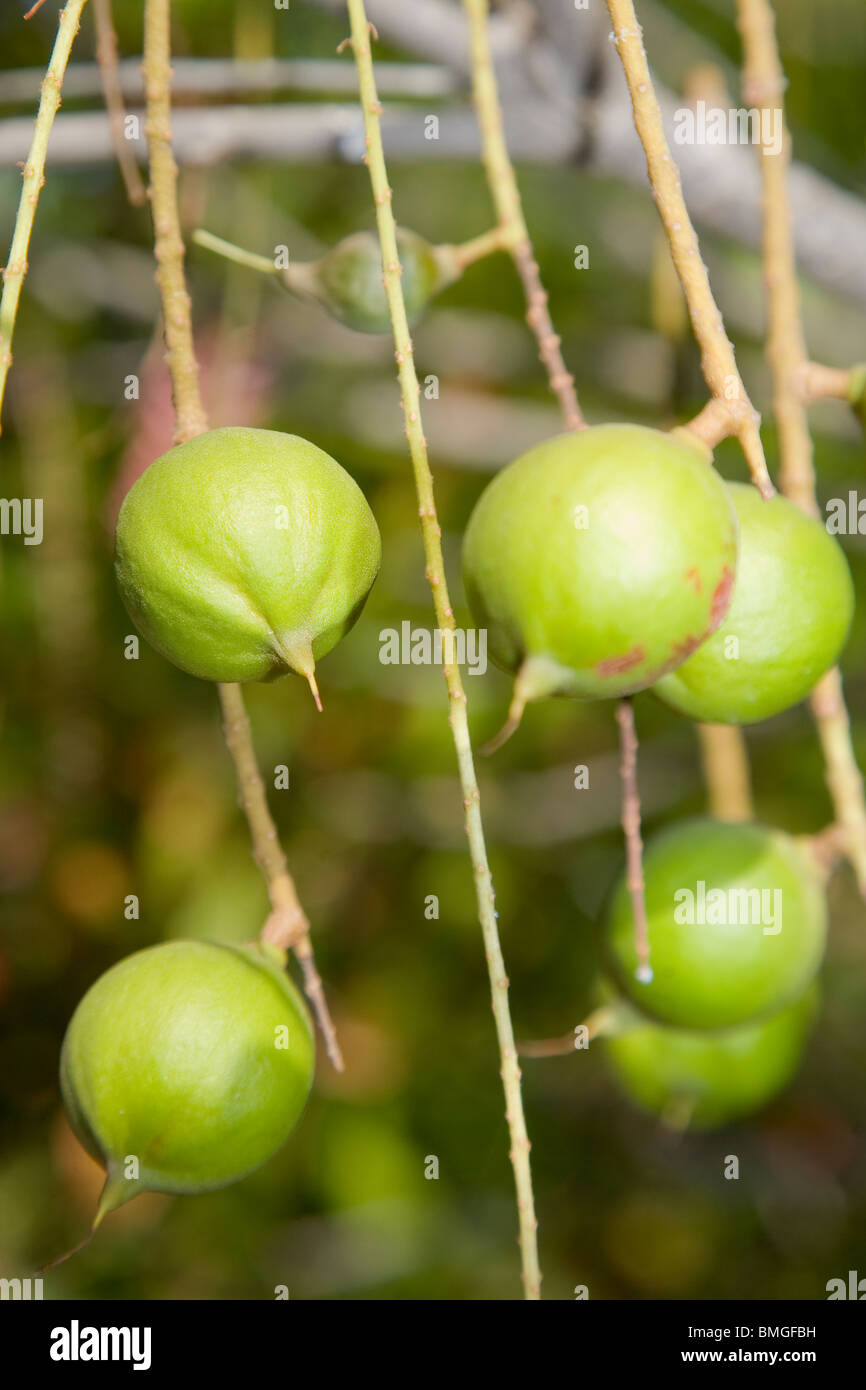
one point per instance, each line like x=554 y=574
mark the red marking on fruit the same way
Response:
x=693 y=575
x=683 y=650
x=721 y=598
x=680 y=652
x=615 y=665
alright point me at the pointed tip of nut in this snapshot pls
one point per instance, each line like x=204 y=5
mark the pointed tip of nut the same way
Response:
x=311 y=681
x=510 y=727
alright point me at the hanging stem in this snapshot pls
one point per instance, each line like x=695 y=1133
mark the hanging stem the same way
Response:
x=466 y=253
x=410 y=396
x=633 y=841
x=820 y=383
x=190 y=418
x=509 y=210
x=230 y=252
x=764 y=86
x=287 y=926
x=106 y=57
x=599 y=1024
x=725 y=760
x=34 y=178
x=717 y=354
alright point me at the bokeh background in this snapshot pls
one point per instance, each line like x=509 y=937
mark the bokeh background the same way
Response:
x=114 y=778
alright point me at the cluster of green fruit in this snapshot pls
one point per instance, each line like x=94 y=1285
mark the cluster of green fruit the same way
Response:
x=601 y=563
x=737 y=924
x=617 y=560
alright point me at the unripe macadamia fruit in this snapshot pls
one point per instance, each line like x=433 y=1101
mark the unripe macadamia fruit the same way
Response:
x=704 y=1080
x=185 y=1066
x=737 y=923
x=789 y=617
x=348 y=279
x=600 y=560
x=245 y=553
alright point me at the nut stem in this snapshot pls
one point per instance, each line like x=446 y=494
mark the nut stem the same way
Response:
x=230 y=252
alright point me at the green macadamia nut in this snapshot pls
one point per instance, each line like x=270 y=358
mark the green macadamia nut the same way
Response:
x=737 y=923
x=705 y=1080
x=348 y=280
x=245 y=553
x=789 y=617
x=600 y=560
x=185 y=1066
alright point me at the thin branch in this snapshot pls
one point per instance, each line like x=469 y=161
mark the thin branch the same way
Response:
x=214 y=77
x=726 y=771
x=844 y=779
x=34 y=178
x=230 y=252
x=633 y=842
x=764 y=85
x=723 y=193
x=816 y=382
x=106 y=57
x=599 y=1024
x=410 y=396
x=287 y=925
x=190 y=418
x=509 y=210
x=717 y=354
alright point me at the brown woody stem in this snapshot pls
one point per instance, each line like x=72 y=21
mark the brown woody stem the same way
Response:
x=509 y=210
x=717 y=354
x=764 y=85
x=287 y=925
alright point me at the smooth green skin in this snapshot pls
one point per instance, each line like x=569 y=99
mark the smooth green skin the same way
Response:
x=602 y=611
x=714 y=1078
x=712 y=976
x=215 y=577
x=347 y=280
x=171 y=1057
x=791 y=613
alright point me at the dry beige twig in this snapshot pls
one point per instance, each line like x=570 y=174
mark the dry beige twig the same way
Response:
x=764 y=87
x=287 y=926
x=717 y=354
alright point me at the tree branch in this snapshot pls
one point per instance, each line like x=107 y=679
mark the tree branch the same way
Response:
x=201 y=77
x=34 y=178
x=509 y=210
x=431 y=533
x=717 y=354
x=106 y=58
x=764 y=85
x=287 y=926
x=723 y=192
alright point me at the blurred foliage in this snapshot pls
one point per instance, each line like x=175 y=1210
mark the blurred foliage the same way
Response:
x=114 y=779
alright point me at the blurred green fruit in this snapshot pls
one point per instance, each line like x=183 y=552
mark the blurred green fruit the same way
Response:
x=737 y=924
x=710 y=1079
x=245 y=553
x=788 y=620
x=600 y=560
x=348 y=281
x=186 y=1066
